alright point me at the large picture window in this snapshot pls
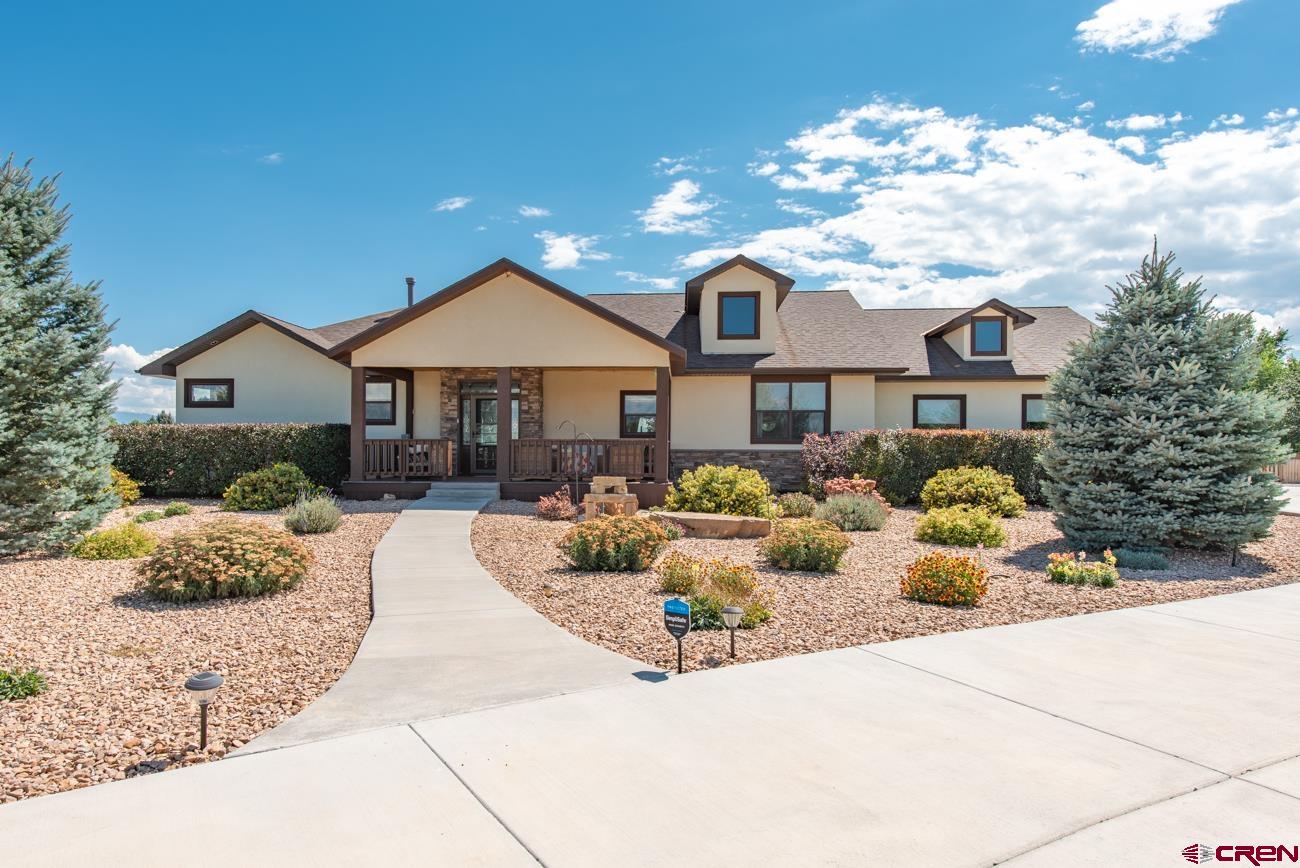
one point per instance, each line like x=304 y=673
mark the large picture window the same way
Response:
x=737 y=315
x=783 y=409
x=1033 y=412
x=938 y=411
x=381 y=399
x=209 y=393
x=988 y=336
x=637 y=414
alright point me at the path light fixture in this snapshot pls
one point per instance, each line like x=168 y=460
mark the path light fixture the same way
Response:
x=731 y=617
x=203 y=689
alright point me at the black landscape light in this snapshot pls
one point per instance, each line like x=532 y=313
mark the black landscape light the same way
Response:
x=203 y=689
x=731 y=617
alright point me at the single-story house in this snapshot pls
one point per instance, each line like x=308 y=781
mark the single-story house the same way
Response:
x=735 y=368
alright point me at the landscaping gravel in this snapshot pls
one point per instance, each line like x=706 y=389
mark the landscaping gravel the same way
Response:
x=859 y=604
x=116 y=660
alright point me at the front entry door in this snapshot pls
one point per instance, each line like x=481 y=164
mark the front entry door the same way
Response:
x=483 y=450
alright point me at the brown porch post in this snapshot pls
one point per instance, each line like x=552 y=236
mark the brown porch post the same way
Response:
x=357 y=470
x=408 y=378
x=504 y=419
x=663 y=422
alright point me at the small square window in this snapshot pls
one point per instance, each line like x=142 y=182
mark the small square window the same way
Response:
x=213 y=394
x=637 y=414
x=737 y=315
x=938 y=411
x=1033 y=412
x=381 y=399
x=785 y=410
x=988 y=336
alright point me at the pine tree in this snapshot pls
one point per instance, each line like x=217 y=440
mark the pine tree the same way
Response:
x=1156 y=439
x=56 y=398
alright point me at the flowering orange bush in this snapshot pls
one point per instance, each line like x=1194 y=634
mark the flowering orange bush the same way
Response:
x=1075 y=569
x=844 y=485
x=225 y=558
x=614 y=542
x=949 y=580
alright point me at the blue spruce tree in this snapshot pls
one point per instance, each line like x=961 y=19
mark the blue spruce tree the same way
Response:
x=56 y=398
x=1156 y=438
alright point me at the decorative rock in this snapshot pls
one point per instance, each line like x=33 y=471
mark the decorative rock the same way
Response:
x=713 y=526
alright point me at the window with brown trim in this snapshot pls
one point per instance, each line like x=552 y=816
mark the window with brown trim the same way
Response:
x=988 y=336
x=210 y=393
x=783 y=409
x=938 y=411
x=381 y=399
x=737 y=316
x=636 y=413
x=1033 y=412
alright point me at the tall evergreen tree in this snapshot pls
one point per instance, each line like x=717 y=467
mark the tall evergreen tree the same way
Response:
x=1156 y=438
x=56 y=397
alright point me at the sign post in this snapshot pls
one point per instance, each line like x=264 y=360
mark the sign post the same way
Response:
x=677 y=619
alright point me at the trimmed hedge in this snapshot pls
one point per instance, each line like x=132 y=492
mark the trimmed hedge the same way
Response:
x=203 y=460
x=901 y=460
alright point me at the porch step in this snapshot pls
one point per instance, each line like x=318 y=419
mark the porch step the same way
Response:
x=460 y=491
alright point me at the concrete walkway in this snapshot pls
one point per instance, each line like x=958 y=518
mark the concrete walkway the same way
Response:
x=1114 y=738
x=1292 y=493
x=446 y=638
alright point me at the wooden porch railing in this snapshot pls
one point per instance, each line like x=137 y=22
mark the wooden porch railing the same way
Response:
x=555 y=458
x=403 y=459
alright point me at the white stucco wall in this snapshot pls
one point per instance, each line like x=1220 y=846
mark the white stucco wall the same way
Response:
x=588 y=398
x=988 y=404
x=428 y=397
x=738 y=279
x=713 y=412
x=277 y=379
x=509 y=321
x=853 y=402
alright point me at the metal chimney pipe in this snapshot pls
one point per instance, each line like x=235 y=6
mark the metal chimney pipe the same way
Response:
x=410 y=291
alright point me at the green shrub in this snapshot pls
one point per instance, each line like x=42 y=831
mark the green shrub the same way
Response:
x=973 y=486
x=1133 y=559
x=853 y=512
x=902 y=460
x=730 y=490
x=674 y=529
x=115 y=544
x=147 y=516
x=614 y=543
x=710 y=585
x=949 y=580
x=202 y=460
x=225 y=558
x=318 y=514
x=20 y=683
x=126 y=488
x=805 y=544
x=1076 y=569
x=960 y=526
x=273 y=487
x=796 y=504
x=177 y=507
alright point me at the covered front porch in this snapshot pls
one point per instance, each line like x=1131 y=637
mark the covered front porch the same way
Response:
x=566 y=426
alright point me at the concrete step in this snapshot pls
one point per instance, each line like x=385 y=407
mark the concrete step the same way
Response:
x=464 y=490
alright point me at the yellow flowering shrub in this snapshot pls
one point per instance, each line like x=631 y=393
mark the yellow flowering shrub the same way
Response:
x=949 y=580
x=805 y=544
x=614 y=543
x=126 y=488
x=225 y=558
x=115 y=544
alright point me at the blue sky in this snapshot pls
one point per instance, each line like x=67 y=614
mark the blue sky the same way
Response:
x=302 y=159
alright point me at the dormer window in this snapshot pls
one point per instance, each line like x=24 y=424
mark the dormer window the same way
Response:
x=737 y=315
x=988 y=336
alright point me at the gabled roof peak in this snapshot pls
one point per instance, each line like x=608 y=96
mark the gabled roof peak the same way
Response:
x=1018 y=317
x=695 y=285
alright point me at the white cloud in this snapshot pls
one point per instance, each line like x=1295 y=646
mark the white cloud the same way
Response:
x=1039 y=214
x=1085 y=106
x=678 y=211
x=1145 y=122
x=790 y=206
x=763 y=170
x=533 y=211
x=271 y=159
x=811 y=177
x=453 y=203
x=137 y=394
x=1232 y=120
x=1152 y=29
x=1281 y=114
x=644 y=280
x=569 y=251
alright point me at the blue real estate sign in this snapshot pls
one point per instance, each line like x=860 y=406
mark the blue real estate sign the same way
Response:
x=677 y=617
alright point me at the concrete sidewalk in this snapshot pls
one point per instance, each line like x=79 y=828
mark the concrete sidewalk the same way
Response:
x=446 y=638
x=1113 y=738
x=1292 y=506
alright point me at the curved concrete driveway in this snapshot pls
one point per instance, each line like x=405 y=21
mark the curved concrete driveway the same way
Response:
x=446 y=638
